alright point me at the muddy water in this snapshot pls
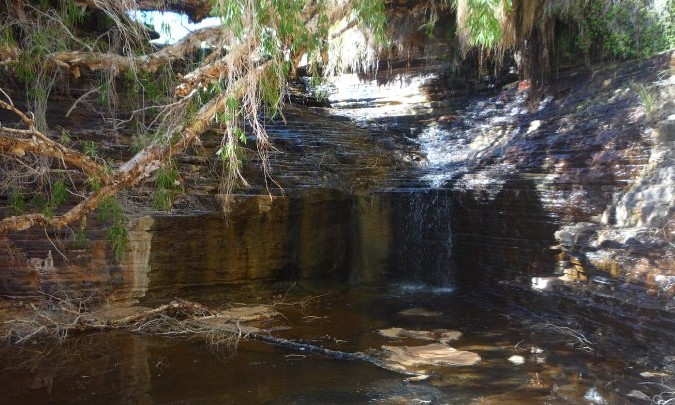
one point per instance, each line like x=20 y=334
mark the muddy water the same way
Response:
x=129 y=368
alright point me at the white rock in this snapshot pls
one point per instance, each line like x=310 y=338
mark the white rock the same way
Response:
x=517 y=360
x=542 y=283
x=653 y=374
x=534 y=125
x=639 y=395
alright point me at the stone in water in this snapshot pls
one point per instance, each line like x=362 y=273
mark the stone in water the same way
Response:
x=440 y=335
x=435 y=354
x=419 y=312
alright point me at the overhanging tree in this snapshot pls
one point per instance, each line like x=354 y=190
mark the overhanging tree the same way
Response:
x=232 y=83
x=229 y=77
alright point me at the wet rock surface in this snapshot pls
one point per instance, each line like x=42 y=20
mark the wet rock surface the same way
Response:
x=435 y=354
x=585 y=153
x=441 y=335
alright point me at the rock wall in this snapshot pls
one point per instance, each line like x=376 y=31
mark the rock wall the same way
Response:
x=264 y=238
x=405 y=179
x=578 y=184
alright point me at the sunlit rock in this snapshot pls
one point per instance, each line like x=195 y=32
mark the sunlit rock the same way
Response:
x=435 y=354
x=517 y=359
x=534 y=125
x=135 y=265
x=543 y=283
x=653 y=374
x=576 y=234
x=595 y=397
x=665 y=282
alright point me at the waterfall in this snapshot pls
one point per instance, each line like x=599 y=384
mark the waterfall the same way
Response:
x=421 y=251
x=411 y=222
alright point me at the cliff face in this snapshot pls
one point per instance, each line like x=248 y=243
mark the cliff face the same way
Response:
x=406 y=177
x=584 y=182
x=575 y=181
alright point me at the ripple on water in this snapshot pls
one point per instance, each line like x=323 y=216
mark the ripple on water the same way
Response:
x=423 y=289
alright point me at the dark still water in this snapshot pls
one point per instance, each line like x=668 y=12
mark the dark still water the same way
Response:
x=522 y=362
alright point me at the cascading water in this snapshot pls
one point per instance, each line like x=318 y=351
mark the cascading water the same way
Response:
x=422 y=241
x=451 y=136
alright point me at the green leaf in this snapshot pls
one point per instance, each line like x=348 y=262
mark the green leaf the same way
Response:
x=16 y=202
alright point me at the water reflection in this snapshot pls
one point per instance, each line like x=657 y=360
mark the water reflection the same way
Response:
x=128 y=368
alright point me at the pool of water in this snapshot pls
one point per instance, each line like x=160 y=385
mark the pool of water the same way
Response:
x=122 y=367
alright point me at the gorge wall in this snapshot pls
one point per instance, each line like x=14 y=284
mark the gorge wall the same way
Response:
x=405 y=178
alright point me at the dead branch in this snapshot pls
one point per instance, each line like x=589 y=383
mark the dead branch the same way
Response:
x=141 y=166
x=213 y=72
x=60 y=318
x=21 y=141
x=578 y=339
x=149 y=63
x=335 y=354
x=117 y=63
x=174 y=307
x=10 y=144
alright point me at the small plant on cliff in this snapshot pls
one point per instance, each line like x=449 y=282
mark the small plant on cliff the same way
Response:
x=646 y=99
x=110 y=211
x=16 y=202
x=80 y=235
x=166 y=187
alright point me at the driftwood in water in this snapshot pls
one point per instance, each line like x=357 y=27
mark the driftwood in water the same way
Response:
x=176 y=306
x=60 y=318
x=335 y=354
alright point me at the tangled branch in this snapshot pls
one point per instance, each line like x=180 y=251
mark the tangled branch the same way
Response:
x=578 y=339
x=59 y=317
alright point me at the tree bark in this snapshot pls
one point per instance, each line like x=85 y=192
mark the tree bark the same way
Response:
x=10 y=144
x=74 y=60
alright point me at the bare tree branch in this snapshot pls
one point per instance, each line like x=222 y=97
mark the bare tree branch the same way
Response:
x=141 y=166
x=73 y=60
x=238 y=66
x=36 y=146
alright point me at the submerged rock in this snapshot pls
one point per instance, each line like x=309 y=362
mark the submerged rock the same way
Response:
x=639 y=395
x=419 y=312
x=440 y=335
x=435 y=354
